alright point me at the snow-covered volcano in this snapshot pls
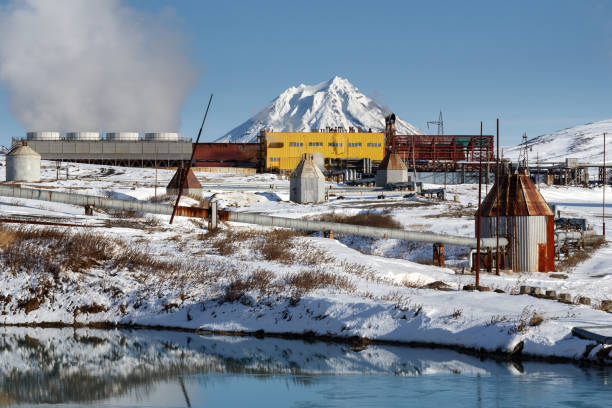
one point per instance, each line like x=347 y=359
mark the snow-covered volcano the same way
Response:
x=584 y=142
x=302 y=108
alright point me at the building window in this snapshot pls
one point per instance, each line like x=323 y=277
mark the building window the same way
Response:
x=274 y=159
x=315 y=144
x=354 y=145
x=296 y=144
x=334 y=144
x=373 y=144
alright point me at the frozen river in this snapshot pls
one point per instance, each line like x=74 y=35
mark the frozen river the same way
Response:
x=66 y=367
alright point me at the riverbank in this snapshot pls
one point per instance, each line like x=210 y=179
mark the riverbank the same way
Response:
x=132 y=270
x=112 y=282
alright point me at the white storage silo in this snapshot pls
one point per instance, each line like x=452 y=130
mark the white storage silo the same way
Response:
x=22 y=164
x=122 y=136
x=90 y=136
x=162 y=136
x=307 y=182
x=45 y=135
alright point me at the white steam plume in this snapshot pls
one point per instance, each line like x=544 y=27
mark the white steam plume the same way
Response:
x=92 y=65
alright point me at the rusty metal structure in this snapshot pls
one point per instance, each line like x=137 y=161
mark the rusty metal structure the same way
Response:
x=183 y=180
x=226 y=154
x=184 y=177
x=392 y=169
x=444 y=152
x=525 y=220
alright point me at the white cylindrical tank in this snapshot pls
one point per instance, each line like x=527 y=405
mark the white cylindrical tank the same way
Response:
x=162 y=136
x=46 y=135
x=122 y=136
x=83 y=136
x=22 y=164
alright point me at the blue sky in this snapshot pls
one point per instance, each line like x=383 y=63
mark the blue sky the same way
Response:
x=539 y=66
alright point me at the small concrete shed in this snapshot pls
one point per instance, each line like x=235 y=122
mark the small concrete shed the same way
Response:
x=22 y=164
x=307 y=182
x=525 y=219
x=192 y=185
x=391 y=170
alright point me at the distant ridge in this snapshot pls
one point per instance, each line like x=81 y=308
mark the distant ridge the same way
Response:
x=584 y=142
x=302 y=108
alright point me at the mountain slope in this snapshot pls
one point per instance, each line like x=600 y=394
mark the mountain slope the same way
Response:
x=333 y=103
x=584 y=142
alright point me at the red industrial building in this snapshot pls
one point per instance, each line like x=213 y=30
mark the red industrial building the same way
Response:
x=444 y=152
x=226 y=154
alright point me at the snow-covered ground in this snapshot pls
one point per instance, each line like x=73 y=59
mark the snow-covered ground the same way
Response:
x=232 y=281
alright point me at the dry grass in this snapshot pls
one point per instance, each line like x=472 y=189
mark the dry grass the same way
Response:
x=277 y=245
x=261 y=280
x=528 y=318
x=308 y=280
x=367 y=218
x=136 y=259
x=454 y=212
x=576 y=257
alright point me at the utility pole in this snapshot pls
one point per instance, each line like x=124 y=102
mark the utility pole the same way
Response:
x=498 y=187
x=478 y=218
x=156 y=170
x=439 y=123
x=184 y=178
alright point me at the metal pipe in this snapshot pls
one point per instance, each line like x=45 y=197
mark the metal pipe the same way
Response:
x=99 y=202
x=374 y=232
x=248 y=218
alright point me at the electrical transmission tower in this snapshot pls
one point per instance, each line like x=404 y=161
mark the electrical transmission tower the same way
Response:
x=439 y=122
x=523 y=161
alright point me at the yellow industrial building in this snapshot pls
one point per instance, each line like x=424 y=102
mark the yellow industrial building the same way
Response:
x=285 y=149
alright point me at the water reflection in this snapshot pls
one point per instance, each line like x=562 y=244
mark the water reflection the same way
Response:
x=83 y=366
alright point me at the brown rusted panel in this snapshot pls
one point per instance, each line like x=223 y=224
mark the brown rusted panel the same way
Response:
x=190 y=183
x=542 y=258
x=518 y=196
x=535 y=202
x=194 y=212
x=392 y=161
x=550 y=244
x=225 y=154
x=223 y=215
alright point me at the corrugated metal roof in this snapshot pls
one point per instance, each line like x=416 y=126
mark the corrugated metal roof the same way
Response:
x=518 y=197
x=23 y=150
x=190 y=183
x=392 y=161
x=307 y=168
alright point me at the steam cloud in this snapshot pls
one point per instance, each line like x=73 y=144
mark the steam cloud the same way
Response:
x=92 y=65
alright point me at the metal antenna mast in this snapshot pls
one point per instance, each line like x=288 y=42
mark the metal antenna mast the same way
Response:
x=439 y=123
x=523 y=161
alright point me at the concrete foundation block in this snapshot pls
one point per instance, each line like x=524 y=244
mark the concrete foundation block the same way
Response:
x=535 y=291
x=469 y=287
x=551 y=294
x=606 y=305
x=484 y=288
x=565 y=298
x=525 y=290
x=583 y=300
